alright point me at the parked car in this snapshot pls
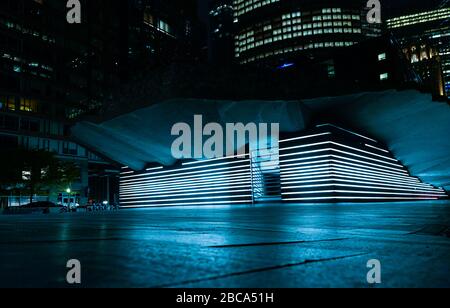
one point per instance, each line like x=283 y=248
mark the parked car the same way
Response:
x=40 y=204
x=35 y=207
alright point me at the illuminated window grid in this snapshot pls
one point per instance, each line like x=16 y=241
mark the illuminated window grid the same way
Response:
x=291 y=27
x=423 y=17
x=244 y=6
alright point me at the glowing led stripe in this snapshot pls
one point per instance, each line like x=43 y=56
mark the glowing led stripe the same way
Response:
x=341 y=166
x=224 y=176
x=129 y=172
x=182 y=190
x=379 y=149
x=330 y=160
x=181 y=174
x=305 y=146
x=213 y=186
x=214 y=159
x=340 y=177
x=206 y=186
x=155 y=168
x=331 y=170
x=337 y=144
x=190 y=199
x=293 y=170
x=362 y=151
x=282 y=163
x=348 y=131
x=400 y=172
x=342 y=152
x=333 y=179
x=364 y=186
x=224 y=194
x=346 y=175
x=182 y=170
x=193 y=184
x=304 y=137
x=190 y=203
x=285 y=167
x=188 y=184
x=126 y=167
x=358 y=192
x=334 y=166
x=357 y=198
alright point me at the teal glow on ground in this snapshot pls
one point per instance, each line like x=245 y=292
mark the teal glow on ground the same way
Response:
x=264 y=246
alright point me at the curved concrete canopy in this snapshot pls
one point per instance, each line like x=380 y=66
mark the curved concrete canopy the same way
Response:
x=416 y=129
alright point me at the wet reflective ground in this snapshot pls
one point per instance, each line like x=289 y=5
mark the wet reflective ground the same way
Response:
x=262 y=246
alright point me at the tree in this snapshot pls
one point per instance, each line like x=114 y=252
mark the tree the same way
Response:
x=32 y=171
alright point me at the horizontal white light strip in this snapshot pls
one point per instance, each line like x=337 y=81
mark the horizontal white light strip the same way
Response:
x=342 y=152
x=282 y=163
x=194 y=176
x=214 y=159
x=285 y=167
x=304 y=137
x=365 y=152
x=337 y=144
x=364 y=186
x=192 y=203
x=190 y=199
x=125 y=167
x=183 y=170
x=334 y=166
x=358 y=192
x=379 y=149
x=348 y=131
x=294 y=180
x=155 y=168
x=375 y=182
x=190 y=175
x=188 y=183
x=202 y=177
x=391 y=171
x=355 y=173
x=182 y=188
x=129 y=172
x=225 y=194
x=346 y=165
x=356 y=198
x=346 y=175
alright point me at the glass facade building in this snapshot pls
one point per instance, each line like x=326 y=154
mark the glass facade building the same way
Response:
x=425 y=38
x=276 y=29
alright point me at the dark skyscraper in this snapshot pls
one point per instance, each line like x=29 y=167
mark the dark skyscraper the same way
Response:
x=52 y=72
x=221 y=32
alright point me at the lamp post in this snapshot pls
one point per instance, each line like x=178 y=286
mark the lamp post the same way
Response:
x=69 y=192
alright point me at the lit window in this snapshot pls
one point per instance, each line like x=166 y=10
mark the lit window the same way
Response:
x=382 y=56
x=384 y=76
x=28 y=105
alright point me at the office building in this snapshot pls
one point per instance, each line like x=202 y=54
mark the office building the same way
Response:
x=277 y=31
x=52 y=73
x=425 y=39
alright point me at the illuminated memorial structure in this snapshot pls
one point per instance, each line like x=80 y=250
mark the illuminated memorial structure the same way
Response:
x=392 y=146
x=325 y=164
